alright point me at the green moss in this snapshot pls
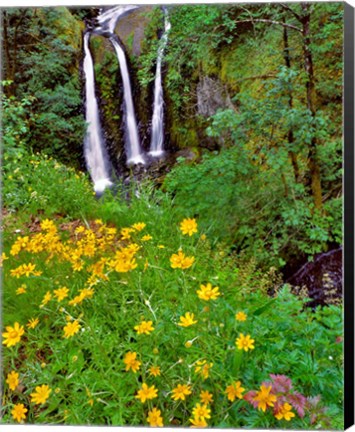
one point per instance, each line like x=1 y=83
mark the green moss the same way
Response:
x=242 y=62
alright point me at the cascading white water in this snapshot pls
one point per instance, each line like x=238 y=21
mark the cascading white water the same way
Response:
x=107 y=22
x=134 y=153
x=157 y=139
x=94 y=147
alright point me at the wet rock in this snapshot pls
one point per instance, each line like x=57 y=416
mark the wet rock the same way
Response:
x=211 y=96
x=188 y=154
x=320 y=279
x=131 y=29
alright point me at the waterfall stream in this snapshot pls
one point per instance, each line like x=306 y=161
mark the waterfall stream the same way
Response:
x=94 y=147
x=157 y=139
x=134 y=153
x=107 y=21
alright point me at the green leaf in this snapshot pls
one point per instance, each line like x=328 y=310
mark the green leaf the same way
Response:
x=263 y=308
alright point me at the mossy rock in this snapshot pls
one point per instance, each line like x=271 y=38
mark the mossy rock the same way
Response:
x=189 y=154
x=131 y=29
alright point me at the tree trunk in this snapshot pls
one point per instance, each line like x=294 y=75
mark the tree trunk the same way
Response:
x=290 y=137
x=11 y=48
x=8 y=69
x=311 y=104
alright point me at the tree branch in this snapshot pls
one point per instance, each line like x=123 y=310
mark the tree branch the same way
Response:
x=295 y=14
x=267 y=21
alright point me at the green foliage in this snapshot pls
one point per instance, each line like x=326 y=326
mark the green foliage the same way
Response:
x=46 y=70
x=106 y=69
x=150 y=44
x=87 y=371
x=257 y=216
x=36 y=184
x=15 y=125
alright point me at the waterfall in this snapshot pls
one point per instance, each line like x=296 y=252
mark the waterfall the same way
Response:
x=94 y=147
x=134 y=154
x=157 y=139
x=107 y=21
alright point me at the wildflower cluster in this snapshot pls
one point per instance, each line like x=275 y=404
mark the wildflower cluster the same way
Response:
x=125 y=322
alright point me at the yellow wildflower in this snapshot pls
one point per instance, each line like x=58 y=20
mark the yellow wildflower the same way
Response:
x=126 y=233
x=12 y=380
x=36 y=244
x=32 y=323
x=179 y=260
x=76 y=300
x=139 y=226
x=21 y=290
x=123 y=261
x=71 y=328
x=154 y=418
x=20 y=244
x=235 y=390
x=188 y=226
x=77 y=265
x=86 y=293
x=206 y=397
x=131 y=250
x=41 y=394
x=3 y=258
x=61 y=293
x=17 y=272
x=146 y=237
x=180 y=392
x=201 y=412
x=131 y=362
x=13 y=334
x=203 y=368
x=145 y=327
x=285 y=412
x=264 y=398
x=208 y=293
x=47 y=297
x=187 y=320
x=245 y=342
x=154 y=370
x=25 y=269
x=19 y=412
x=48 y=225
x=146 y=393
x=241 y=316
x=198 y=422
